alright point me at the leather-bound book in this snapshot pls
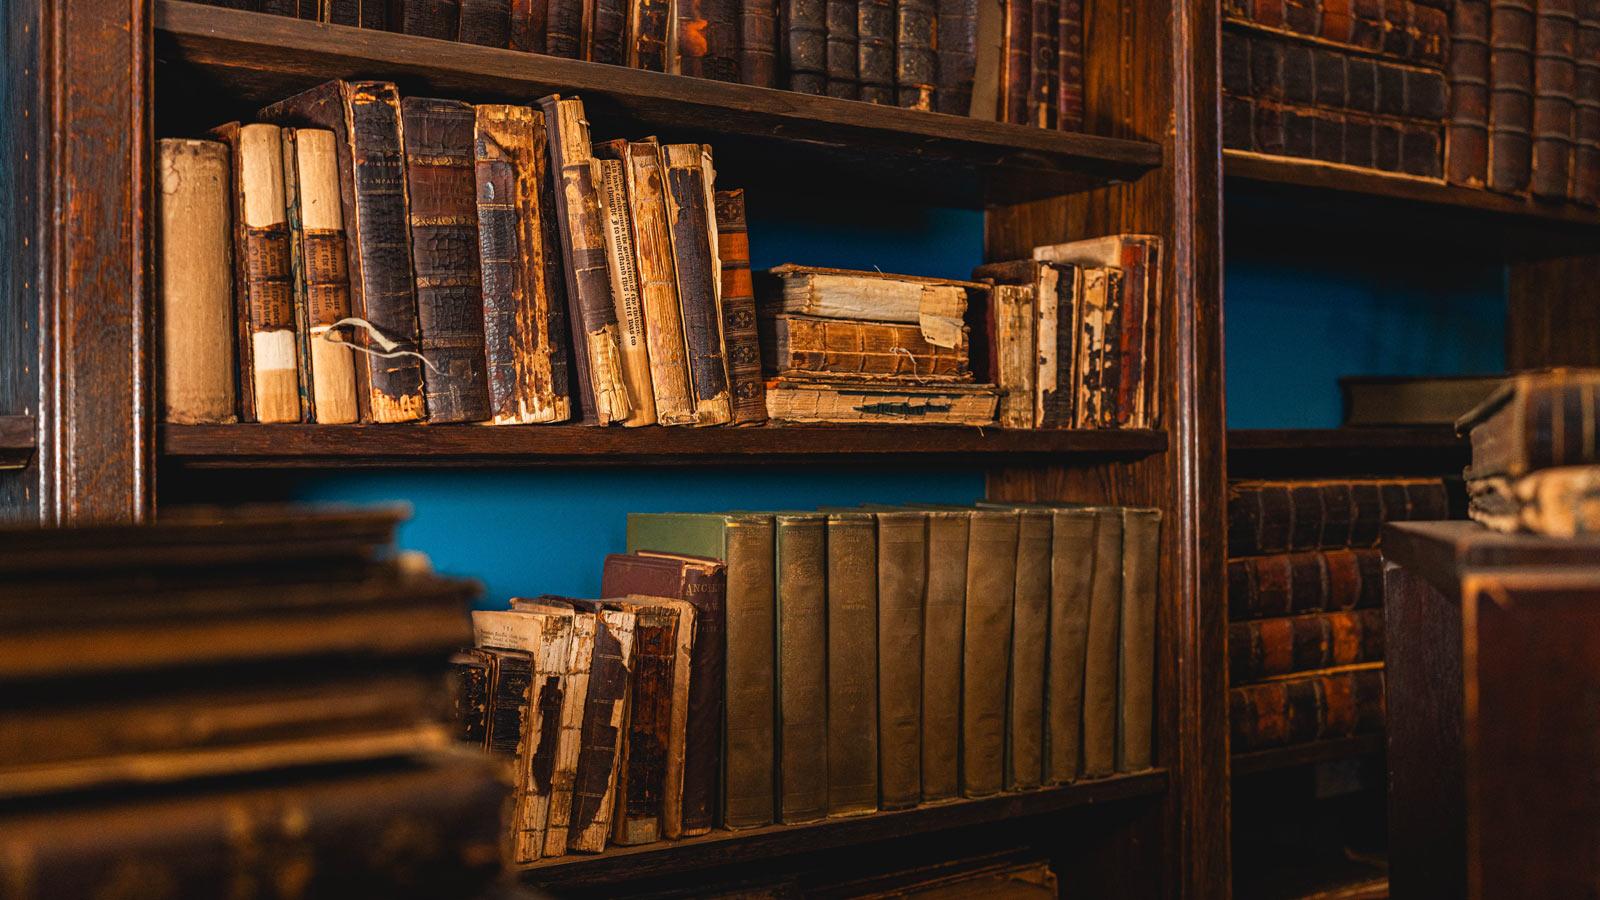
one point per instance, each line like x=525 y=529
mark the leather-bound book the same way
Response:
x=916 y=63
x=836 y=399
x=1586 y=120
x=365 y=119
x=817 y=347
x=739 y=332
x=1301 y=583
x=1069 y=66
x=758 y=43
x=508 y=701
x=658 y=283
x=1044 y=67
x=1264 y=648
x=321 y=274
x=439 y=19
x=805 y=45
x=1100 y=672
x=1334 y=703
x=843 y=51
x=902 y=583
x=944 y=610
x=1016 y=42
x=528 y=21
x=702 y=582
x=745 y=543
x=195 y=300
x=1466 y=146
x=596 y=340
x=694 y=253
x=525 y=328
x=1511 y=35
x=1072 y=542
x=852 y=665
x=370 y=14
x=607 y=40
x=802 y=659
x=623 y=266
x=1266 y=517
x=650 y=35
x=605 y=720
x=263 y=288
x=875 y=39
x=1056 y=291
x=957 y=56
x=1555 y=80
x=472 y=673
x=444 y=250
x=563 y=28
x=1536 y=420
x=1025 y=701
x=579 y=661
x=1136 y=663
x=1015 y=354
x=708 y=39
x=986 y=649
x=485 y=22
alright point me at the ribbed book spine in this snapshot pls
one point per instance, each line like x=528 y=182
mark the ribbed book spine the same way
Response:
x=875 y=50
x=1586 y=127
x=708 y=39
x=1555 y=88
x=843 y=50
x=440 y=19
x=650 y=30
x=743 y=344
x=1511 y=34
x=957 y=55
x=1069 y=66
x=1016 y=44
x=1279 y=646
x=528 y=19
x=1318 y=706
x=805 y=45
x=563 y=34
x=915 y=61
x=485 y=22
x=758 y=43
x=689 y=191
x=1044 y=74
x=608 y=32
x=1300 y=583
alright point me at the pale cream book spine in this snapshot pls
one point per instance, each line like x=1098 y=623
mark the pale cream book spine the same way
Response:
x=320 y=243
x=1013 y=329
x=564 y=774
x=268 y=280
x=621 y=260
x=658 y=283
x=195 y=301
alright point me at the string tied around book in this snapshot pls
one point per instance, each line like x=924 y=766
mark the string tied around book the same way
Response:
x=388 y=348
x=916 y=377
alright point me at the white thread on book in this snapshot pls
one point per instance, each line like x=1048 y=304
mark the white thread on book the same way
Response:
x=388 y=346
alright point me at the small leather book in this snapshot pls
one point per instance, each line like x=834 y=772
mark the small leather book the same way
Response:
x=957 y=60
x=1069 y=66
x=915 y=60
x=739 y=331
x=1025 y=700
x=842 y=50
x=444 y=247
x=1263 y=648
x=607 y=39
x=1316 y=706
x=440 y=19
x=802 y=659
x=1301 y=583
x=694 y=253
x=1016 y=43
x=650 y=31
x=942 y=632
x=805 y=45
x=365 y=119
x=528 y=21
x=758 y=42
x=658 y=283
x=1511 y=36
x=473 y=672
x=852 y=664
x=1044 y=70
x=986 y=650
x=875 y=43
x=486 y=23
x=1136 y=663
x=701 y=582
x=195 y=302
x=902 y=583
x=563 y=28
x=320 y=263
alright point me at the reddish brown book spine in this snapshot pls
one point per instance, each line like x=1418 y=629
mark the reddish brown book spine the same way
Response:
x=1016 y=44
x=1466 y=149
x=606 y=37
x=1555 y=79
x=440 y=19
x=958 y=55
x=1586 y=127
x=758 y=43
x=1069 y=60
x=1264 y=648
x=1296 y=711
x=1297 y=583
x=528 y=20
x=1279 y=517
x=805 y=45
x=486 y=23
x=563 y=34
x=1511 y=30
x=748 y=389
x=842 y=50
x=1045 y=73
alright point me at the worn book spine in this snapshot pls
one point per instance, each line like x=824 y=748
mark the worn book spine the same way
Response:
x=1267 y=517
x=957 y=62
x=986 y=652
x=1108 y=358
x=1025 y=692
x=658 y=284
x=365 y=117
x=806 y=344
x=596 y=341
x=1100 y=675
x=1016 y=41
x=510 y=690
x=624 y=271
x=569 y=743
x=649 y=30
x=852 y=622
x=1511 y=35
x=942 y=632
x=1069 y=66
x=1072 y=545
x=802 y=667
x=486 y=23
x=902 y=584
x=1586 y=119
x=708 y=39
x=608 y=37
x=444 y=250
x=875 y=43
x=1044 y=70
x=739 y=331
x=838 y=399
x=750 y=748
x=195 y=306
x=1015 y=354
x=1466 y=148
x=1555 y=79
x=805 y=45
x=641 y=790
x=1302 y=583
x=842 y=50
x=525 y=354
x=1318 y=706
x=1060 y=287
x=321 y=274
x=440 y=19
x=758 y=43
x=473 y=673
x=563 y=29
x=528 y=19
x=1279 y=646
x=605 y=719
x=1136 y=663
x=916 y=62
x=694 y=252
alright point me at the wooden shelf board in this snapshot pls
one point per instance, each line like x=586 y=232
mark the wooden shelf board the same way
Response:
x=18 y=440
x=250 y=59
x=725 y=848
x=1346 y=451
x=1250 y=166
x=1307 y=754
x=298 y=446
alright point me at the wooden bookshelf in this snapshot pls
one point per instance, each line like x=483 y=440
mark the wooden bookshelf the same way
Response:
x=1274 y=758
x=1330 y=452
x=725 y=848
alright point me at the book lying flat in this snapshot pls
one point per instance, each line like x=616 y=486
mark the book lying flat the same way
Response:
x=838 y=400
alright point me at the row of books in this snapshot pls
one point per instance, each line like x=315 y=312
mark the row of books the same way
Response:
x=1015 y=61
x=244 y=702
x=1536 y=455
x=750 y=669
x=1305 y=604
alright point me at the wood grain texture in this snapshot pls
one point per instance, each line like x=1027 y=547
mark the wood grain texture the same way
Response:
x=1547 y=323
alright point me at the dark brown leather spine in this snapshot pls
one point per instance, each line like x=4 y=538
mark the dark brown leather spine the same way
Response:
x=640 y=804
x=1586 y=126
x=600 y=746
x=1511 y=29
x=708 y=39
x=510 y=690
x=1069 y=66
x=373 y=14
x=986 y=653
x=444 y=247
x=651 y=29
x=485 y=22
x=743 y=344
x=698 y=283
x=1297 y=711
x=843 y=51
x=942 y=627
x=802 y=667
x=1267 y=647
x=758 y=43
x=1267 y=517
x=902 y=583
x=473 y=671
x=1555 y=79
x=1044 y=73
x=1016 y=43
x=957 y=55
x=289 y=8
x=608 y=32
x=365 y=117
x=1072 y=541
x=915 y=62
x=563 y=33
x=528 y=19
x=805 y=45
x=1299 y=583
x=440 y=19
x=875 y=50
x=1029 y=637
x=1100 y=674
x=852 y=664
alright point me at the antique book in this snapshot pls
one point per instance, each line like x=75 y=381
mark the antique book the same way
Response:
x=852 y=666
x=1299 y=583
x=1397 y=29
x=1466 y=147
x=1313 y=706
x=1136 y=661
x=745 y=544
x=1016 y=358
x=944 y=611
x=1016 y=42
x=805 y=45
x=563 y=34
x=938 y=305
x=986 y=649
x=988 y=78
x=902 y=571
x=606 y=32
x=195 y=305
x=758 y=43
x=650 y=35
x=1025 y=702
x=957 y=62
x=815 y=347
x=1585 y=187
x=1069 y=66
x=793 y=399
x=1562 y=502
x=1263 y=648
x=875 y=38
x=528 y=18
x=1101 y=675
x=444 y=251
x=509 y=696
x=1511 y=31
x=689 y=189
x=1043 y=64
x=472 y=673
x=370 y=14
x=583 y=626
x=739 y=332
x=1056 y=290
x=605 y=720
x=915 y=60
x=1535 y=420
x=1555 y=79
x=801 y=670
x=485 y=22
x=524 y=305
x=1280 y=516
x=658 y=283
x=1072 y=545
x=439 y=19
x=365 y=119
x=1420 y=400
x=321 y=274
x=650 y=784
x=708 y=39
x=591 y=311
x=701 y=582
x=263 y=278
x=843 y=50
x=622 y=263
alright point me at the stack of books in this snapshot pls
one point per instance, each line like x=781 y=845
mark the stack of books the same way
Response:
x=848 y=346
x=1015 y=61
x=1536 y=455
x=1071 y=336
x=1305 y=598
x=748 y=669
x=249 y=699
